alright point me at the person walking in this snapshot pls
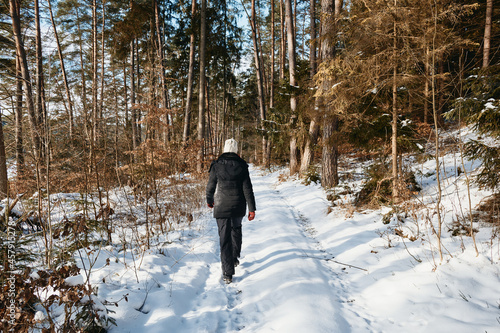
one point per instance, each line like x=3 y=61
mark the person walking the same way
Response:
x=229 y=190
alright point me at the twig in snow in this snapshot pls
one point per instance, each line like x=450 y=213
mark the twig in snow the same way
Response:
x=338 y=262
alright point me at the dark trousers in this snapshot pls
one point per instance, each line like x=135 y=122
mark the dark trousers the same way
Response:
x=230 y=242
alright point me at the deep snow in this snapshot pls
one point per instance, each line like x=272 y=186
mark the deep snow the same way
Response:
x=306 y=267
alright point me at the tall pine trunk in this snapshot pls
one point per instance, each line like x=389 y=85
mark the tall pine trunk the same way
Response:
x=41 y=109
x=201 y=95
x=487 y=33
x=19 y=120
x=187 y=112
x=329 y=159
x=260 y=78
x=25 y=73
x=293 y=84
x=312 y=137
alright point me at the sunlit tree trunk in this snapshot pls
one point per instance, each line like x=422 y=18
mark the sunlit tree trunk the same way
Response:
x=329 y=158
x=487 y=34
x=187 y=112
x=201 y=95
x=312 y=136
x=293 y=84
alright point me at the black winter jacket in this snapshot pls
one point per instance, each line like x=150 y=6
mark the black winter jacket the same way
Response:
x=229 y=184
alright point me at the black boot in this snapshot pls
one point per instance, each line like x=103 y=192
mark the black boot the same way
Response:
x=227 y=279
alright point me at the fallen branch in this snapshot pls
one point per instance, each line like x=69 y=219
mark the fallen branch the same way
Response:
x=338 y=262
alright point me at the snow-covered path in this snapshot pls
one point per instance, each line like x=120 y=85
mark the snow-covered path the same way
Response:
x=281 y=285
x=285 y=286
x=288 y=280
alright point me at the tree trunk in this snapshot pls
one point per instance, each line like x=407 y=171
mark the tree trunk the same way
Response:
x=94 y=78
x=187 y=117
x=293 y=84
x=260 y=83
x=311 y=140
x=312 y=136
x=21 y=53
x=101 y=95
x=82 y=76
x=161 y=68
x=266 y=145
x=4 y=184
x=19 y=120
x=329 y=158
x=312 y=43
x=201 y=95
x=395 y=173
x=282 y=41
x=487 y=33
x=40 y=89
x=63 y=71
x=426 y=86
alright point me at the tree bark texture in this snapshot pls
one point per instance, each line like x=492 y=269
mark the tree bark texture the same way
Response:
x=329 y=158
x=487 y=34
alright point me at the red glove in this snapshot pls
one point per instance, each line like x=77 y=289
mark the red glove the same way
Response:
x=210 y=205
x=251 y=216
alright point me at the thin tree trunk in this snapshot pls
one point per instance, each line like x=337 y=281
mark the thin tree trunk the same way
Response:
x=187 y=117
x=436 y=142
x=4 y=184
x=271 y=90
x=21 y=53
x=138 y=96
x=40 y=90
x=94 y=77
x=101 y=97
x=487 y=34
x=19 y=120
x=426 y=86
x=82 y=77
x=293 y=84
x=201 y=95
x=132 y=96
x=266 y=145
x=163 y=83
x=394 y=137
x=63 y=71
x=282 y=41
x=395 y=173
x=260 y=83
x=312 y=42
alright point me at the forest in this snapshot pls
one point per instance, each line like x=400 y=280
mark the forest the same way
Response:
x=140 y=96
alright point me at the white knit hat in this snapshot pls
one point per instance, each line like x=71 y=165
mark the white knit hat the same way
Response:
x=231 y=146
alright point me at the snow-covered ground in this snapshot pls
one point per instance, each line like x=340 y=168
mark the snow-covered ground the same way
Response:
x=310 y=267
